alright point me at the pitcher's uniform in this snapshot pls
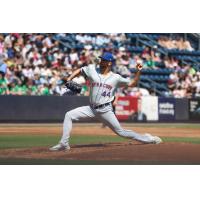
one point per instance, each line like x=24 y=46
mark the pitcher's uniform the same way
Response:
x=102 y=90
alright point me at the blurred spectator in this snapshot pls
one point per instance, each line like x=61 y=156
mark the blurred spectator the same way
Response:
x=1 y=44
x=166 y=42
x=149 y=62
x=170 y=62
x=178 y=43
x=3 y=65
x=34 y=64
x=3 y=85
x=179 y=92
x=197 y=85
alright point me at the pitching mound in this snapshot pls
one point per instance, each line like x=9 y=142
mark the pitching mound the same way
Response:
x=114 y=153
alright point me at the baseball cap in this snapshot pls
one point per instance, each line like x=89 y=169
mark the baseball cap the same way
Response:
x=107 y=56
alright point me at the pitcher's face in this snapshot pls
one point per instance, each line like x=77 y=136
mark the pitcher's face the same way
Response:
x=105 y=63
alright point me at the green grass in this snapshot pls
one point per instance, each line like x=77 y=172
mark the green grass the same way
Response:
x=160 y=125
x=23 y=141
x=185 y=140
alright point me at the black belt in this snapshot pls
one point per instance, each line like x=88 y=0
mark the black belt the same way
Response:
x=101 y=106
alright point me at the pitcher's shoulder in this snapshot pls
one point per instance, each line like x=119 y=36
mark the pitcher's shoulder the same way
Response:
x=117 y=76
x=92 y=66
x=88 y=68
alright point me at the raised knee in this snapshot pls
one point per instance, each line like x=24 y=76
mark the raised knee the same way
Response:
x=71 y=116
x=67 y=115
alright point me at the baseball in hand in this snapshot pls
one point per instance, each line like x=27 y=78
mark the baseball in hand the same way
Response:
x=139 y=67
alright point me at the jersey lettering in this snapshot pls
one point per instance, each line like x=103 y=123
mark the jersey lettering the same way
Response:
x=95 y=84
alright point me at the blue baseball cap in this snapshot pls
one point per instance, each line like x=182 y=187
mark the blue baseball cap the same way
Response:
x=107 y=56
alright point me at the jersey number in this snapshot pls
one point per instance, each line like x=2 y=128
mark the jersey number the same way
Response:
x=104 y=94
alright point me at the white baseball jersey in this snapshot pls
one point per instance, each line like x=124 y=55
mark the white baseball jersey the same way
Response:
x=102 y=87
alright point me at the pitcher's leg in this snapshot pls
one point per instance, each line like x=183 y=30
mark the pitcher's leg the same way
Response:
x=110 y=119
x=73 y=115
x=67 y=127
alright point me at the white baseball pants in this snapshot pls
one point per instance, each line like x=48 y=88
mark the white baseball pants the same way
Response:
x=107 y=118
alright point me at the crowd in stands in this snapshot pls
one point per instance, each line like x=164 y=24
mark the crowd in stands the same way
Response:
x=177 y=43
x=35 y=64
x=184 y=82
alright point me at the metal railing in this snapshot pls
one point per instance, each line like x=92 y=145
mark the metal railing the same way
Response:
x=153 y=86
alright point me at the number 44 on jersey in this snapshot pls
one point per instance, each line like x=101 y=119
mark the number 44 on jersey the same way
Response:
x=104 y=94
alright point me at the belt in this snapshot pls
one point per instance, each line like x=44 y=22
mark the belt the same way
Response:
x=101 y=106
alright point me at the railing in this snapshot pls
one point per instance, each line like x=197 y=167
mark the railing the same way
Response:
x=154 y=84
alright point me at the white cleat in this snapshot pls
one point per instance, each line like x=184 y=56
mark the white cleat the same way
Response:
x=157 y=140
x=60 y=147
x=154 y=139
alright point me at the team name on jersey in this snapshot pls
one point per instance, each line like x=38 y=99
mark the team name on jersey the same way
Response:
x=95 y=84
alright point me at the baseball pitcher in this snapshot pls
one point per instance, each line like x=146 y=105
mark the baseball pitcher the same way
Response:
x=103 y=84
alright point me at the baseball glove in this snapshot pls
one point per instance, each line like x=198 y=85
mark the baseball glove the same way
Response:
x=73 y=86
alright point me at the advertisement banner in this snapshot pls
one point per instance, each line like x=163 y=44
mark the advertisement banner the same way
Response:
x=181 y=109
x=166 y=109
x=149 y=107
x=194 y=109
x=126 y=107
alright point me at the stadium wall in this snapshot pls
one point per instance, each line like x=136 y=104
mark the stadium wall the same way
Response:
x=38 y=108
x=53 y=108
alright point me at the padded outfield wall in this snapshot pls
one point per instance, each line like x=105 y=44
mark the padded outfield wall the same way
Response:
x=38 y=108
x=53 y=108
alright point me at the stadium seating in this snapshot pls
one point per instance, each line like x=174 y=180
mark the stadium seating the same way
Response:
x=155 y=73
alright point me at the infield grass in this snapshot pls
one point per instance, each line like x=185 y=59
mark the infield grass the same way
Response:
x=23 y=141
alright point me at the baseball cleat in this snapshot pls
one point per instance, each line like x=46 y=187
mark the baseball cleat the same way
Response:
x=60 y=147
x=157 y=140
x=154 y=139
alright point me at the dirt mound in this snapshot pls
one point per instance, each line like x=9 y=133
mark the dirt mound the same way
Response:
x=166 y=153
